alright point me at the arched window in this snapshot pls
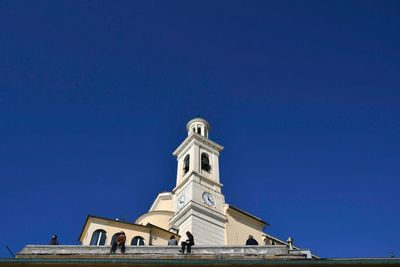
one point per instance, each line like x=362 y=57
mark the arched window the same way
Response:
x=98 y=238
x=137 y=241
x=186 y=164
x=205 y=162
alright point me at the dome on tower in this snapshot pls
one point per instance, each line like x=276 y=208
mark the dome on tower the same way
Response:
x=199 y=126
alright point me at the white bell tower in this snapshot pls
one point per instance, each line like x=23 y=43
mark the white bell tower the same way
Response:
x=198 y=201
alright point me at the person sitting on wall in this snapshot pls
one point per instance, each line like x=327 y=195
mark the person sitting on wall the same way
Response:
x=119 y=242
x=172 y=241
x=53 y=240
x=188 y=243
x=268 y=241
x=251 y=241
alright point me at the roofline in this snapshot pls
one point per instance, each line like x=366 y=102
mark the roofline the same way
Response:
x=248 y=214
x=135 y=224
x=159 y=196
x=83 y=228
x=199 y=138
x=154 y=212
x=158 y=227
x=296 y=248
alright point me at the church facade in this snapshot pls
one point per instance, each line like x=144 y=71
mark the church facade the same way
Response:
x=196 y=204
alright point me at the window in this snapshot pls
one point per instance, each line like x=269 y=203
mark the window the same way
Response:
x=198 y=130
x=137 y=241
x=98 y=238
x=186 y=164
x=205 y=162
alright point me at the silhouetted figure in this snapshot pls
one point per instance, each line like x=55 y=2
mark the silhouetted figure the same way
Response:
x=188 y=243
x=172 y=241
x=251 y=241
x=119 y=242
x=53 y=240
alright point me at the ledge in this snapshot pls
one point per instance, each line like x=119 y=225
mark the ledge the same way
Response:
x=193 y=262
x=163 y=252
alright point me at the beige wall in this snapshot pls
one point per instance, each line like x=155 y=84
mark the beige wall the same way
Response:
x=165 y=204
x=112 y=228
x=160 y=237
x=162 y=202
x=153 y=234
x=158 y=218
x=239 y=227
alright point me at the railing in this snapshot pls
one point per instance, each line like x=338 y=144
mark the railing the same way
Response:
x=221 y=251
x=153 y=250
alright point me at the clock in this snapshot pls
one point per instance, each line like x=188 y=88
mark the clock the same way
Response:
x=208 y=199
x=181 y=202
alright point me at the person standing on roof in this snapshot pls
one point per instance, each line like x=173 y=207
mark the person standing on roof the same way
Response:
x=53 y=240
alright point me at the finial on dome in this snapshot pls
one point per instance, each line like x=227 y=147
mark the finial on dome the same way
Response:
x=198 y=125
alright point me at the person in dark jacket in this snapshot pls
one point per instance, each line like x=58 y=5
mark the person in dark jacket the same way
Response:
x=53 y=240
x=188 y=243
x=251 y=241
x=119 y=242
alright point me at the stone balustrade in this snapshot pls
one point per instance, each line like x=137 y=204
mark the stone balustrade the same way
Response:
x=42 y=251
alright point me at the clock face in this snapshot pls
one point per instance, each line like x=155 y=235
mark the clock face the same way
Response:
x=181 y=202
x=208 y=199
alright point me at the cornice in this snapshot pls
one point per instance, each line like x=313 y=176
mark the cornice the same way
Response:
x=200 y=139
x=255 y=218
x=191 y=206
x=163 y=212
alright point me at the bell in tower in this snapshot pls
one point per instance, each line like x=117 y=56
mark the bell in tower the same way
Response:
x=199 y=202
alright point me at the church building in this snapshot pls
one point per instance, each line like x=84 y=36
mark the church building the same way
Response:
x=196 y=204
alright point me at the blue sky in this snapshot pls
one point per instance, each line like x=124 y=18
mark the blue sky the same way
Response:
x=303 y=95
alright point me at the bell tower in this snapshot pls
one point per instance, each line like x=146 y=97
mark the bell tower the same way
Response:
x=197 y=197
